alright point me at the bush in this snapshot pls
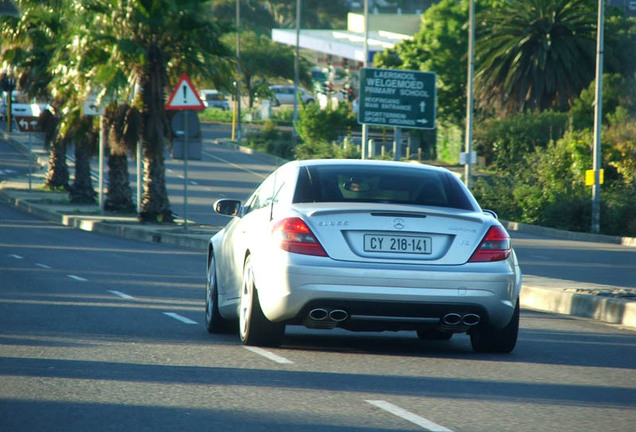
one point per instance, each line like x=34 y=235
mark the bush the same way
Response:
x=505 y=142
x=449 y=143
x=548 y=188
x=270 y=139
x=319 y=129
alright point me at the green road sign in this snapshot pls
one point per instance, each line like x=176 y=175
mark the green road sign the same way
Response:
x=397 y=98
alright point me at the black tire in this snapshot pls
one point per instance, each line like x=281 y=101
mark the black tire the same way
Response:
x=433 y=334
x=214 y=322
x=486 y=339
x=254 y=327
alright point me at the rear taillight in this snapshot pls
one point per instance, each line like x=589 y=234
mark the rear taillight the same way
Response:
x=293 y=235
x=494 y=247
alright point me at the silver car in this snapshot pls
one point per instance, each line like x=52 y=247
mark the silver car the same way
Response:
x=364 y=246
x=284 y=95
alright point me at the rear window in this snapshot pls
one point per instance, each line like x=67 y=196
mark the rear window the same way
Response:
x=399 y=185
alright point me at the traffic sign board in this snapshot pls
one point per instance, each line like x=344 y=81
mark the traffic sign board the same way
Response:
x=184 y=96
x=90 y=108
x=397 y=98
x=27 y=123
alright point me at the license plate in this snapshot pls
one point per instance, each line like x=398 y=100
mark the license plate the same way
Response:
x=397 y=244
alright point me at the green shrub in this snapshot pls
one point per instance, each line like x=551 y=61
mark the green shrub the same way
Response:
x=449 y=143
x=505 y=142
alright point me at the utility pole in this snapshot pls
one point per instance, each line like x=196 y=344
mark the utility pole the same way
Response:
x=365 y=128
x=238 y=69
x=598 y=116
x=296 y=74
x=469 y=94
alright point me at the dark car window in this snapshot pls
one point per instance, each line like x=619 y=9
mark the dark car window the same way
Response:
x=400 y=185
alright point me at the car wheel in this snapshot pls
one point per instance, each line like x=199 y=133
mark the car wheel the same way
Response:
x=254 y=327
x=214 y=322
x=487 y=339
x=433 y=334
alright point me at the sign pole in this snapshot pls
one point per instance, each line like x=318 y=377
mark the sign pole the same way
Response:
x=102 y=140
x=30 y=162
x=184 y=98
x=185 y=171
x=397 y=144
x=138 y=166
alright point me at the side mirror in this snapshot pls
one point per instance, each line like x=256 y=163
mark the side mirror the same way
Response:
x=491 y=213
x=227 y=207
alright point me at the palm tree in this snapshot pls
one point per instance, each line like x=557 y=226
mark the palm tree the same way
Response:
x=534 y=54
x=148 y=41
x=70 y=82
x=123 y=126
x=28 y=42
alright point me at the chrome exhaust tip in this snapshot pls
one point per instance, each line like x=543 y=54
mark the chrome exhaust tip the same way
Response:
x=318 y=314
x=452 y=319
x=338 y=315
x=471 y=319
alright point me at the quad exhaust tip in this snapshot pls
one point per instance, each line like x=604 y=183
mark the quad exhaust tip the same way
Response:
x=453 y=319
x=338 y=315
x=320 y=314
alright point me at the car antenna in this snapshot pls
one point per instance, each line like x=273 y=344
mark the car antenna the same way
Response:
x=271 y=208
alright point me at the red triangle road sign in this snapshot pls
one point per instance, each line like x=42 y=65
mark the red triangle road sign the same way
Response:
x=185 y=96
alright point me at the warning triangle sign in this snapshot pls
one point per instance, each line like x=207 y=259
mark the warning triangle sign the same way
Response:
x=184 y=96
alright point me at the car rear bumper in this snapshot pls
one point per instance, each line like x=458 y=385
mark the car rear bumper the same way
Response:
x=388 y=296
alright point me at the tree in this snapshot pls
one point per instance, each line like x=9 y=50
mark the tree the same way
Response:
x=535 y=54
x=147 y=42
x=440 y=46
x=263 y=60
x=123 y=126
x=28 y=42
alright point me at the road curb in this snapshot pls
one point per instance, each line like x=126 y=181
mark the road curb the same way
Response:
x=150 y=234
x=607 y=309
x=569 y=235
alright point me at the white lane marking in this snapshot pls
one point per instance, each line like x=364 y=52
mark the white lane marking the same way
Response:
x=44 y=266
x=269 y=355
x=122 y=295
x=180 y=318
x=407 y=415
x=16 y=256
x=77 y=278
x=237 y=166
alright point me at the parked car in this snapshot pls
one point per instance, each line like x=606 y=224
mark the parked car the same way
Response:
x=284 y=95
x=365 y=246
x=214 y=99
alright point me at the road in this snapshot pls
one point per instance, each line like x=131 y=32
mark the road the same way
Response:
x=100 y=333
x=224 y=172
x=105 y=334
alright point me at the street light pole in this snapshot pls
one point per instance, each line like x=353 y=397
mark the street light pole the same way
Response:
x=598 y=113
x=365 y=128
x=238 y=69
x=296 y=74
x=469 y=95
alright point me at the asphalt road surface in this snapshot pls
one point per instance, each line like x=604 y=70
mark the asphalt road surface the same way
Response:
x=105 y=334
